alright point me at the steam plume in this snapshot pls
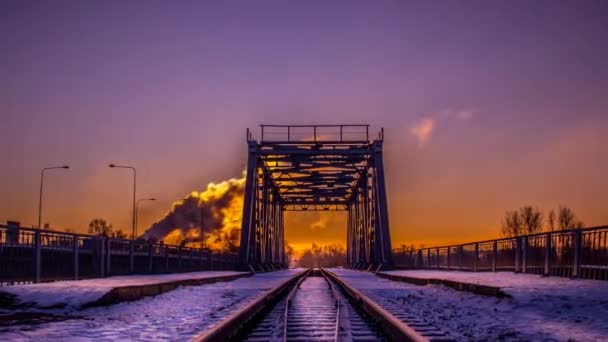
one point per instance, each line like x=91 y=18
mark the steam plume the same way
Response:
x=211 y=218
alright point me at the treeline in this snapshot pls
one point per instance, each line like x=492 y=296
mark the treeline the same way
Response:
x=101 y=227
x=531 y=220
x=323 y=256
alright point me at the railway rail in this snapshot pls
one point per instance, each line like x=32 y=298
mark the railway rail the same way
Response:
x=315 y=305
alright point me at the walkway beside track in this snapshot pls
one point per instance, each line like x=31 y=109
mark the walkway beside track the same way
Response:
x=77 y=294
x=178 y=315
x=538 y=308
x=500 y=284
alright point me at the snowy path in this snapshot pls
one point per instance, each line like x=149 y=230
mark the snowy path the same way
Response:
x=548 y=309
x=518 y=284
x=74 y=293
x=177 y=315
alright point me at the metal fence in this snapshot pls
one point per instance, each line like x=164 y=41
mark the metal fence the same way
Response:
x=581 y=253
x=35 y=255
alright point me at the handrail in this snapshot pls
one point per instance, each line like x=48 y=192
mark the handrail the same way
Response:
x=287 y=132
x=113 y=240
x=351 y=125
x=555 y=232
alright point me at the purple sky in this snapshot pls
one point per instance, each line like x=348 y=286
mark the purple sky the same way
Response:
x=487 y=105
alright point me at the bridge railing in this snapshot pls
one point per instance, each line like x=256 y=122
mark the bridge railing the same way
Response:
x=314 y=133
x=35 y=255
x=581 y=253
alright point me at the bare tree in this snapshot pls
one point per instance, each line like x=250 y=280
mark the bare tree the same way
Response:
x=532 y=219
x=567 y=219
x=512 y=224
x=118 y=234
x=326 y=256
x=289 y=252
x=99 y=226
x=551 y=220
x=406 y=248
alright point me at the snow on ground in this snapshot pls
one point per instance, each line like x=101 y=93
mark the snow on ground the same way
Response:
x=517 y=284
x=540 y=309
x=75 y=293
x=177 y=315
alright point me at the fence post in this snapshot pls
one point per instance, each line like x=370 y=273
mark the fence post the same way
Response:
x=179 y=258
x=166 y=258
x=578 y=242
x=524 y=254
x=102 y=256
x=108 y=256
x=37 y=255
x=476 y=257
x=428 y=258
x=517 y=254
x=76 y=255
x=437 y=258
x=131 y=256
x=201 y=255
x=150 y=256
x=460 y=249
x=419 y=259
x=448 y=257
x=547 y=254
x=494 y=255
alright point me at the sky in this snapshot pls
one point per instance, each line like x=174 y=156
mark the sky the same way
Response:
x=487 y=105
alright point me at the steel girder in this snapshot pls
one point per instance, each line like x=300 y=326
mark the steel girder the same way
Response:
x=315 y=174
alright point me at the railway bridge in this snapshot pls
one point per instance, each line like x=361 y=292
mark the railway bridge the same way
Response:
x=315 y=168
x=304 y=168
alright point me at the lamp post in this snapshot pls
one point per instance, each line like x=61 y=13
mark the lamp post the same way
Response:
x=41 y=186
x=134 y=192
x=137 y=210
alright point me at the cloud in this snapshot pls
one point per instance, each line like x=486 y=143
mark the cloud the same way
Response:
x=463 y=114
x=459 y=114
x=423 y=130
x=321 y=223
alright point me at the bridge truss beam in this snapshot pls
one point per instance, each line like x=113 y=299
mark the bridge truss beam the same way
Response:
x=333 y=168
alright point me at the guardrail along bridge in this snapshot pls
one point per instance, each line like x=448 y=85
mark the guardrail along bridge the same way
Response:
x=321 y=167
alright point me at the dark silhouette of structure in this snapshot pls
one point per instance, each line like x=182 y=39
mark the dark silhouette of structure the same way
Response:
x=319 y=167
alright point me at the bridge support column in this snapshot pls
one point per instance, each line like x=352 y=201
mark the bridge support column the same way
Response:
x=248 y=226
x=384 y=253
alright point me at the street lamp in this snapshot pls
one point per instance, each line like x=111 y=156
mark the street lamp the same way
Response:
x=134 y=189
x=137 y=210
x=41 y=184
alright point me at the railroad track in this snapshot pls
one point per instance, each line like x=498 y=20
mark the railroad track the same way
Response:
x=314 y=305
x=314 y=310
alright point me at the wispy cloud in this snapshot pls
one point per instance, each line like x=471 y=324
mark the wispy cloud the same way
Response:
x=321 y=223
x=463 y=114
x=423 y=130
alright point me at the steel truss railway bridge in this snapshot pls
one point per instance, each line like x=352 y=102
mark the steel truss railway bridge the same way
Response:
x=315 y=168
